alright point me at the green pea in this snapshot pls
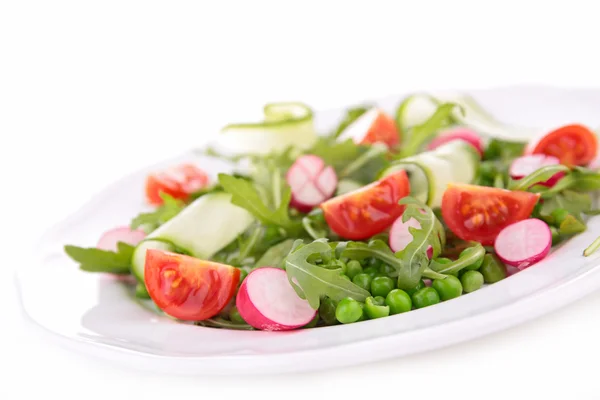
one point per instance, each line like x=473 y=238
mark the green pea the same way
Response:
x=382 y=285
x=353 y=268
x=420 y=286
x=473 y=267
x=141 y=292
x=559 y=215
x=375 y=263
x=387 y=270
x=448 y=288
x=493 y=270
x=399 y=301
x=374 y=310
x=443 y=260
x=556 y=238
x=425 y=297
x=363 y=280
x=327 y=311
x=371 y=271
x=234 y=316
x=348 y=310
x=472 y=281
x=337 y=264
x=379 y=300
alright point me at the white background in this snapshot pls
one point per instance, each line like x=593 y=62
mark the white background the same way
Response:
x=90 y=90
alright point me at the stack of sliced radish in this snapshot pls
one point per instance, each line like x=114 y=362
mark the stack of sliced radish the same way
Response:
x=312 y=182
x=464 y=134
x=109 y=240
x=524 y=243
x=267 y=301
x=525 y=165
x=400 y=236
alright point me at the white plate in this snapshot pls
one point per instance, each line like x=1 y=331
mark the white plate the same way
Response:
x=99 y=314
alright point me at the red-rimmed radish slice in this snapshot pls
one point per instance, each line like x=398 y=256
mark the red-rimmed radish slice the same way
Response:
x=312 y=182
x=267 y=301
x=108 y=241
x=510 y=270
x=373 y=126
x=400 y=236
x=524 y=243
x=464 y=134
x=525 y=165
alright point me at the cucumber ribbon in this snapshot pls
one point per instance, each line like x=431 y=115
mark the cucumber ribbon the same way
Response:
x=284 y=125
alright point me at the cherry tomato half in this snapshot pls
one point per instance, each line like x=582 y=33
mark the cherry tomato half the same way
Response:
x=369 y=210
x=571 y=144
x=178 y=182
x=479 y=213
x=373 y=126
x=188 y=288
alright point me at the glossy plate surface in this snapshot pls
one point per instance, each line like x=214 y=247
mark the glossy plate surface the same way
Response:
x=107 y=321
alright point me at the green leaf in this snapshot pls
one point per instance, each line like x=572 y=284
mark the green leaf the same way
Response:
x=352 y=114
x=573 y=202
x=152 y=220
x=375 y=153
x=244 y=194
x=571 y=226
x=414 y=256
x=312 y=282
x=469 y=256
x=538 y=176
x=503 y=150
x=585 y=180
x=420 y=134
x=96 y=260
x=376 y=249
x=275 y=255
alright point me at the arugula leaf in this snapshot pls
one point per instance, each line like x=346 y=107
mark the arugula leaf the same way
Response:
x=414 y=256
x=573 y=202
x=245 y=194
x=352 y=114
x=470 y=256
x=334 y=153
x=377 y=150
x=152 y=220
x=376 y=249
x=537 y=176
x=312 y=282
x=96 y=260
x=275 y=255
x=418 y=135
x=571 y=226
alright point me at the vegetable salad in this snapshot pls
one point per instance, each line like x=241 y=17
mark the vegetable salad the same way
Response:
x=382 y=215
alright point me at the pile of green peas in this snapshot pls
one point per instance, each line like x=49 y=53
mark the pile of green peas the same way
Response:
x=387 y=299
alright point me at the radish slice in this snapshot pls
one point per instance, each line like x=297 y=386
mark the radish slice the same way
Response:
x=108 y=241
x=524 y=243
x=400 y=236
x=510 y=270
x=267 y=301
x=464 y=134
x=312 y=182
x=525 y=165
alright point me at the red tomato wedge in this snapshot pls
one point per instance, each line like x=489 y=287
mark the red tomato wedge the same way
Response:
x=372 y=127
x=178 y=182
x=571 y=144
x=369 y=210
x=479 y=213
x=188 y=288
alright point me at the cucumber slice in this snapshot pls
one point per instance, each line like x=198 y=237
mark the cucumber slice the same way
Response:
x=417 y=108
x=284 y=125
x=431 y=171
x=203 y=228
